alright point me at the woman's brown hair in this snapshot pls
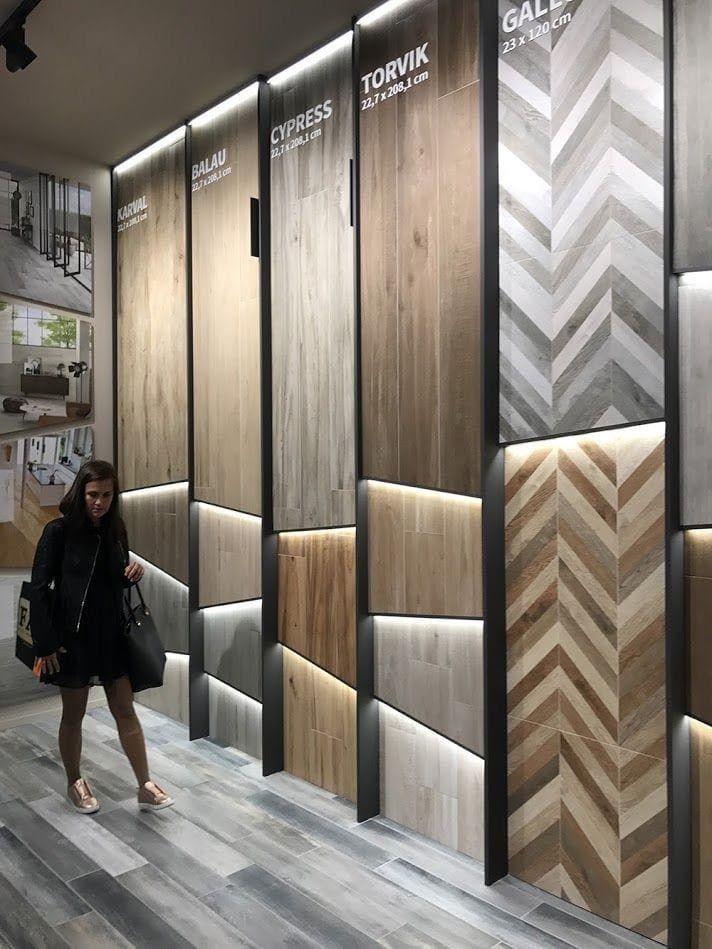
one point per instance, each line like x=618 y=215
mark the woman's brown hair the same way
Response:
x=73 y=504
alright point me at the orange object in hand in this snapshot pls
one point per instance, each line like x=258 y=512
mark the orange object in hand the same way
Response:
x=37 y=668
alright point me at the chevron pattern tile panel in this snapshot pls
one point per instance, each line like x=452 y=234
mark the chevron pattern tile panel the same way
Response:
x=581 y=216
x=585 y=561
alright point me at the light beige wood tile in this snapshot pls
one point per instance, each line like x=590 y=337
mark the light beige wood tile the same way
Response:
x=230 y=551
x=431 y=785
x=157 y=525
x=319 y=727
x=152 y=323
x=425 y=552
x=167 y=599
x=172 y=699
x=226 y=314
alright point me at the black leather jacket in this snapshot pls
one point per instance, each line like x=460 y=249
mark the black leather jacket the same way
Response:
x=62 y=570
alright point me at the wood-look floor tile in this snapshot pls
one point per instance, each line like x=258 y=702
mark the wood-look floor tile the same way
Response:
x=21 y=924
x=128 y=914
x=60 y=854
x=256 y=923
x=92 y=931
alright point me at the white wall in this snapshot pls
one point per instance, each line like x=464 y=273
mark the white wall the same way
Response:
x=99 y=179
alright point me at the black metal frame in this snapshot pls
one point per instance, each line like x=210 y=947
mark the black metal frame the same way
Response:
x=272 y=657
x=678 y=730
x=495 y=648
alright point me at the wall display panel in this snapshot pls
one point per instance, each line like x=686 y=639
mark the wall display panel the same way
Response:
x=232 y=645
x=230 y=549
x=430 y=784
x=313 y=294
x=420 y=255
x=235 y=719
x=226 y=311
x=698 y=609
x=151 y=310
x=695 y=347
x=157 y=525
x=692 y=81
x=581 y=108
x=167 y=600
x=172 y=699
x=701 y=755
x=585 y=586
x=432 y=671
x=317 y=598
x=319 y=727
x=424 y=552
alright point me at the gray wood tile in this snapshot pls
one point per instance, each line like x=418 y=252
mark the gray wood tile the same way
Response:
x=92 y=931
x=90 y=837
x=35 y=882
x=233 y=646
x=126 y=913
x=481 y=915
x=313 y=798
x=297 y=909
x=21 y=925
x=257 y=923
x=322 y=830
x=16 y=747
x=195 y=921
x=195 y=841
x=408 y=937
x=17 y=781
x=45 y=840
x=212 y=814
x=582 y=933
x=170 y=859
x=108 y=788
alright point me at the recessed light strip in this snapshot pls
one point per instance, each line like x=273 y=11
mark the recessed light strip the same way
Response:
x=175 y=136
x=322 y=53
x=385 y=9
x=217 y=110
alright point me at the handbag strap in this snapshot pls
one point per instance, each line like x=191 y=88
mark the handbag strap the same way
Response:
x=129 y=597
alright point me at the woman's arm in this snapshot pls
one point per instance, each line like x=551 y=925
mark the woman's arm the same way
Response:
x=133 y=571
x=45 y=570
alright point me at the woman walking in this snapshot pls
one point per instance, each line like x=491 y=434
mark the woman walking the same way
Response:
x=80 y=572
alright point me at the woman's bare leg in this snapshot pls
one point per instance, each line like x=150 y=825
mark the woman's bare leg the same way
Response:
x=74 y=705
x=120 y=698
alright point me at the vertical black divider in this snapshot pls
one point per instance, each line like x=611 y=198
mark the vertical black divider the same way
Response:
x=368 y=794
x=495 y=649
x=114 y=323
x=678 y=730
x=199 y=685
x=272 y=660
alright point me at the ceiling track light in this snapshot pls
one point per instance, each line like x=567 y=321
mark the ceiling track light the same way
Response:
x=18 y=54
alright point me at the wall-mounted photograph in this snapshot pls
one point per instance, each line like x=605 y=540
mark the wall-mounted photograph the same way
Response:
x=35 y=474
x=45 y=367
x=45 y=238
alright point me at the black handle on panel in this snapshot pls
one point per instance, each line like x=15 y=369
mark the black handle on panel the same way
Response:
x=351 y=191
x=255 y=227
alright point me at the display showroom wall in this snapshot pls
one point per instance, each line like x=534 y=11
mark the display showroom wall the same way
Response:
x=414 y=494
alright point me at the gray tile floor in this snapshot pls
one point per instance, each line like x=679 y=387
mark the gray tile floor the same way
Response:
x=240 y=859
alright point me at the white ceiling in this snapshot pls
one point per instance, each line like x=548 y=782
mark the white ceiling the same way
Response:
x=112 y=74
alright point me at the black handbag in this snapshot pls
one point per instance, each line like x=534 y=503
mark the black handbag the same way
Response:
x=147 y=657
x=24 y=646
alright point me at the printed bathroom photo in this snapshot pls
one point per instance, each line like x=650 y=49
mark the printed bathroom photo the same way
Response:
x=35 y=474
x=46 y=252
x=46 y=361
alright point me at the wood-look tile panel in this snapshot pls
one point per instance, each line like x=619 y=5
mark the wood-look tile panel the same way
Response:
x=419 y=159
x=230 y=549
x=235 y=719
x=233 y=646
x=319 y=727
x=226 y=315
x=425 y=552
x=152 y=322
x=701 y=811
x=695 y=331
x=431 y=785
x=692 y=83
x=698 y=608
x=157 y=525
x=312 y=299
x=172 y=699
x=317 y=598
x=432 y=671
x=585 y=578
x=167 y=600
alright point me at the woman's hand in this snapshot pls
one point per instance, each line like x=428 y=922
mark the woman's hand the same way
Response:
x=134 y=572
x=50 y=664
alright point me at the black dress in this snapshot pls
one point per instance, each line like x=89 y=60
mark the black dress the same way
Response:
x=96 y=654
